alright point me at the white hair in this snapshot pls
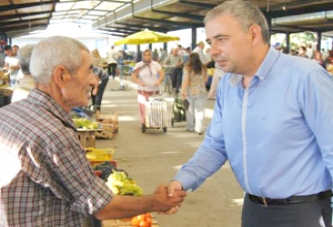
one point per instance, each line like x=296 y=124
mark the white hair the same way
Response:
x=24 y=55
x=243 y=11
x=52 y=52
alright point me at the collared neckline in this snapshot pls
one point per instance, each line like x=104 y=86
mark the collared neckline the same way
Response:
x=263 y=70
x=45 y=101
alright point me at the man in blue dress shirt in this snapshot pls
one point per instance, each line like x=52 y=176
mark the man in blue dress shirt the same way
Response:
x=273 y=121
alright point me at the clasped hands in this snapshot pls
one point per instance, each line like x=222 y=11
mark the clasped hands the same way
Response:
x=173 y=195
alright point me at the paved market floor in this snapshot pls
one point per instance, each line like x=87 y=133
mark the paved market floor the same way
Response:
x=154 y=158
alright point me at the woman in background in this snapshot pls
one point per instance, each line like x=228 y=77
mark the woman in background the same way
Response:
x=148 y=75
x=194 y=90
x=96 y=58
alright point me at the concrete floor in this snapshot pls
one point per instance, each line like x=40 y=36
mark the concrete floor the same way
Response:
x=153 y=158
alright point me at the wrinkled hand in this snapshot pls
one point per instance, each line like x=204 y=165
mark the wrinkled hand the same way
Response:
x=166 y=202
x=184 y=95
x=173 y=187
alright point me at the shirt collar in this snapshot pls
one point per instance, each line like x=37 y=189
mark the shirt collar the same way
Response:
x=45 y=101
x=264 y=68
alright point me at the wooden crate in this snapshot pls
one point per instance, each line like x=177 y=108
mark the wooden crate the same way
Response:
x=120 y=223
x=110 y=125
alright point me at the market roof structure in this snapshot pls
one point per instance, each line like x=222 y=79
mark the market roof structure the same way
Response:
x=124 y=17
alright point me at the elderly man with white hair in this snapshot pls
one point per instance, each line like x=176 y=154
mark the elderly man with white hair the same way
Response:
x=45 y=178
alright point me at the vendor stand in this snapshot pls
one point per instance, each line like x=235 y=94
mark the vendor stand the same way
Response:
x=6 y=91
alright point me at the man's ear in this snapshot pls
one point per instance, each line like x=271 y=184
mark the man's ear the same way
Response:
x=255 y=32
x=60 y=76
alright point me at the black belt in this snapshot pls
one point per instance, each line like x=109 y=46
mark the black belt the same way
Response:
x=290 y=200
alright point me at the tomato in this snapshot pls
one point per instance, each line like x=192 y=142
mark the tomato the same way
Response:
x=142 y=217
x=135 y=222
x=149 y=222
x=149 y=215
x=143 y=224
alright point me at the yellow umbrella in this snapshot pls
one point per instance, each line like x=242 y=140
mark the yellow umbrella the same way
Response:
x=146 y=36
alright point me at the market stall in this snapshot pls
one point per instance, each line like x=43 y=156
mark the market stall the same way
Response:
x=6 y=91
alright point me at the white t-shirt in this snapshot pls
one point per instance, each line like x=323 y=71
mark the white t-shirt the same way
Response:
x=12 y=61
x=112 y=56
x=148 y=74
x=201 y=54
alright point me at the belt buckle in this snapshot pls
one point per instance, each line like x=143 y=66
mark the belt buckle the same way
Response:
x=264 y=201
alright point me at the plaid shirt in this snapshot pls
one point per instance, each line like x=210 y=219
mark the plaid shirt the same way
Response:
x=45 y=178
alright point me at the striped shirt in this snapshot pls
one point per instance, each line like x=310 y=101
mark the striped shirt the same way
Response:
x=45 y=178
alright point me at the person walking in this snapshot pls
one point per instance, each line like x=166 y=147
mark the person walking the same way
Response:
x=194 y=90
x=272 y=121
x=112 y=58
x=148 y=75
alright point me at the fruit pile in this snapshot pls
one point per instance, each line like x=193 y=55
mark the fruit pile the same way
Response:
x=143 y=220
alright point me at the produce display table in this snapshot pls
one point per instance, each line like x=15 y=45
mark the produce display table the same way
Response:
x=87 y=137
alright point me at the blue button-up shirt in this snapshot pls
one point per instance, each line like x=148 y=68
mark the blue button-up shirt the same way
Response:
x=277 y=133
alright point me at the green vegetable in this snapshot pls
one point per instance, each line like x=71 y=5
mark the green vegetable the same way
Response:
x=121 y=184
x=85 y=123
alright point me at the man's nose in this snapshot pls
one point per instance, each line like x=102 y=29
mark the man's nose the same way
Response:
x=214 y=49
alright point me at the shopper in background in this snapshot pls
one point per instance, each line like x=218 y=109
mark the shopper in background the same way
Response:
x=112 y=58
x=218 y=74
x=272 y=121
x=162 y=55
x=200 y=50
x=148 y=75
x=174 y=68
x=15 y=49
x=45 y=177
x=103 y=79
x=26 y=83
x=194 y=90
x=11 y=64
x=155 y=55
x=302 y=52
x=318 y=58
x=96 y=58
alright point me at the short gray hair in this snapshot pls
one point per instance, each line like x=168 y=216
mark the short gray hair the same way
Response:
x=52 y=52
x=24 y=55
x=243 y=11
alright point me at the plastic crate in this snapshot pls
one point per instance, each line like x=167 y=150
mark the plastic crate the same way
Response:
x=99 y=155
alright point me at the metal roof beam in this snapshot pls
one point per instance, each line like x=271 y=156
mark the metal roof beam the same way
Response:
x=302 y=29
x=20 y=6
x=116 y=31
x=142 y=27
x=21 y=21
x=21 y=27
x=163 y=22
x=200 y=4
x=129 y=29
x=185 y=15
x=6 y=17
x=302 y=10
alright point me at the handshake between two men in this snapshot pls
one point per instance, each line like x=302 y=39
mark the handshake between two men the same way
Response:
x=165 y=200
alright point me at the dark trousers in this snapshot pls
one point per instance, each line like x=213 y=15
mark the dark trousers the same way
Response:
x=310 y=214
x=176 y=78
x=112 y=69
x=97 y=99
